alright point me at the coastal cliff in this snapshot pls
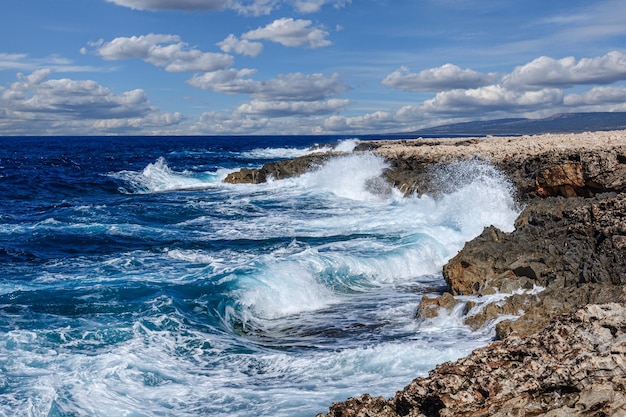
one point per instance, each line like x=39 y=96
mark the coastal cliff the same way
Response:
x=564 y=354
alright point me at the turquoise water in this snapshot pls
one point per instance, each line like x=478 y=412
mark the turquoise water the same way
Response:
x=133 y=282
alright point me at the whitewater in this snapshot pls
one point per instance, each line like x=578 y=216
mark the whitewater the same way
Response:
x=134 y=282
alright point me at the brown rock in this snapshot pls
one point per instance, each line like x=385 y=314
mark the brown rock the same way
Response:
x=574 y=367
x=565 y=179
x=429 y=306
x=278 y=170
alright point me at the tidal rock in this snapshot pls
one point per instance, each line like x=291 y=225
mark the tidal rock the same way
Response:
x=278 y=170
x=576 y=366
x=571 y=247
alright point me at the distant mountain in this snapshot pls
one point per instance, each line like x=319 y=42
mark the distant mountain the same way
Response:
x=558 y=123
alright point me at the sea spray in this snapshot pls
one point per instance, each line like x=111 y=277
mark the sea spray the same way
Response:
x=159 y=177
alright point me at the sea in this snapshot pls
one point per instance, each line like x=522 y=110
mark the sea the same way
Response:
x=134 y=282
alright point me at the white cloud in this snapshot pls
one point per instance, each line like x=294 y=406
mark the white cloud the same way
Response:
x=222 y=123
x=240 y=46
x=597 y=95
x=379 y=121
x=567 y=72
x=245 y=7
x=289 y=87
x=446 y=77
x=23 y=62
x=13 y=61
x=172 y=4
x=292 y=108
x=230 y=81
x=254 y=7
x=493 y=97
x=314 y=6
x=166 y=51
x=36 y=104
x=291 y=33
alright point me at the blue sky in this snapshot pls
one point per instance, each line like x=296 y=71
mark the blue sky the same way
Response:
x=205 y=67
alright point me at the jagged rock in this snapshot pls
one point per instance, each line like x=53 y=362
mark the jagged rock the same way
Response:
x=429 y=306
x=572 y=247
x=563 y=241
x=279 y=169
x=544 y=165
x=565 y=179
x=576 y=366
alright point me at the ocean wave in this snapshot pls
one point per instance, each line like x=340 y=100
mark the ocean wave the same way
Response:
x=346 y=145
x=159 y=177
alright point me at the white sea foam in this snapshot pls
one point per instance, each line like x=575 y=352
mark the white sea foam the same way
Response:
x=165 y=368
x=279 y=153
x=346 y=145
x=355 y=177
x=389 y=240
x=331 y=261
x=159 y=177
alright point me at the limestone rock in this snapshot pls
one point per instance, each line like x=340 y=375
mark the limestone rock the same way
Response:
x=574 y=367
x=565 y=179
x=429 y=306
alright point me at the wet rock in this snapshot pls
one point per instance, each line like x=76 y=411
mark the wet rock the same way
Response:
x=571 y=247
x=431 y=306
x=559 y=241
x=278 y=170
x=576 y=366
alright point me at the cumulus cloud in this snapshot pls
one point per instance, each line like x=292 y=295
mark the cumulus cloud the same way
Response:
x=254 y=7
x=291 y=33
x=246 y=7
x=223 y=123
x=240 y=46
x=567 y=72
x=289 y=87
x=166 y=51
x=291 y=108
x=36 y=102
x=377 y=121
x=597 y=95
x=446 y=77
x=230 y=81
x=493 y=97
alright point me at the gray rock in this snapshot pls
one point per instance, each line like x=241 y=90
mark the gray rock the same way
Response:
x=576 y=366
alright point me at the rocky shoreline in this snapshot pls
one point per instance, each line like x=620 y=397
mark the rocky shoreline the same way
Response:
x=565 y=354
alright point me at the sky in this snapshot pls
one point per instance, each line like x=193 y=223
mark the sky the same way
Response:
x=266 y=67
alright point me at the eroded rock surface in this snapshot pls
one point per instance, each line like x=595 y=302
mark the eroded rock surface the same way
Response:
x=572 y=247
x=576 y=366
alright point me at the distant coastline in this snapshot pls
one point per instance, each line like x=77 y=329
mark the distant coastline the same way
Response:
x=557 y=123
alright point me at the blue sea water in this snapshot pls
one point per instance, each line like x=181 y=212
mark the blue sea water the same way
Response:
x=134 y=282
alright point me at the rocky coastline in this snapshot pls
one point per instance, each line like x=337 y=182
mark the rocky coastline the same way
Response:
x=566 y=353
